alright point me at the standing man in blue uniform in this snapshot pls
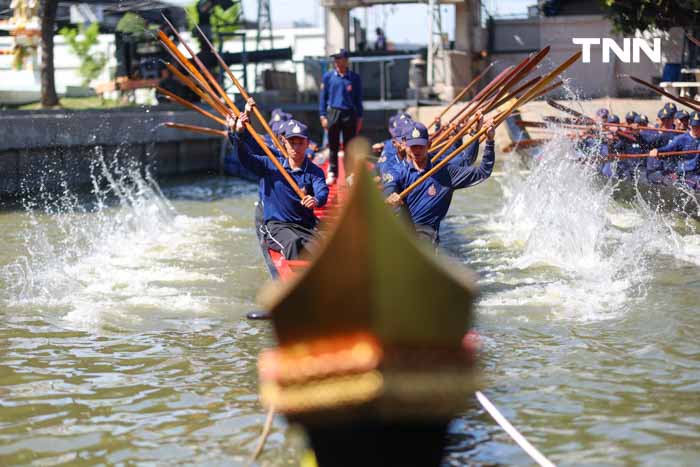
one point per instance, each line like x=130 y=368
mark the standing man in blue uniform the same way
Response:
x=429 y=202
x=340 y=107
x=289 y=223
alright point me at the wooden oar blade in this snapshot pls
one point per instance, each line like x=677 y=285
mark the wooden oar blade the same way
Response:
x=179 y=100
x=196 y=129
x=663 y=92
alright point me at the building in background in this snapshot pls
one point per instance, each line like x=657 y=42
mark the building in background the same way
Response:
x=555 y=23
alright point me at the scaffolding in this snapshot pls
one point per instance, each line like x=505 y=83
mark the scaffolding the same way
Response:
x=435 y=45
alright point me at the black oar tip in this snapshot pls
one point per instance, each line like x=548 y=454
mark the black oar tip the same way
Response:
x=259 y=315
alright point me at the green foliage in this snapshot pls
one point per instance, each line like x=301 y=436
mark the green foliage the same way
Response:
x=81 y=40
x=221 y=20
x=131 y=23
x=629 y=16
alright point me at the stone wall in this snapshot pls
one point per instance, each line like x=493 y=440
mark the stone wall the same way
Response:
x=45 y=149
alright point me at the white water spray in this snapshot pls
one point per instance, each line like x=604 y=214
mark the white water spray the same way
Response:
x=108 y=260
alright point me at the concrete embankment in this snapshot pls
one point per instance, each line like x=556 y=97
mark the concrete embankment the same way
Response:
x=49 y=149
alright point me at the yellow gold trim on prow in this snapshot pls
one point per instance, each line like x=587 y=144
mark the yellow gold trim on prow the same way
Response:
x=330 y=392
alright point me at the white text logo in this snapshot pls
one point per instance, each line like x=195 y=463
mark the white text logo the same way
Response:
x=628 y=53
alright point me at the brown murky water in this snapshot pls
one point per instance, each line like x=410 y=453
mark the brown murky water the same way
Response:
x=124 y=339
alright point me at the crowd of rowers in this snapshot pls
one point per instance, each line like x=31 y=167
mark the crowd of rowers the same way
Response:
x=675 y=130
x=288 y=224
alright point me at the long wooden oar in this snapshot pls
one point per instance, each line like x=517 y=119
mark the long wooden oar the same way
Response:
x=215 y=103
x=528 y=66
x=185 y=63
x=473 y=103
x=518 y=92
x=196 y=129
x=442 y=148
x=243 y=92
x=570 y=111
x=680 y=100
x=529 y=95
x=198 y=74
x=498 y=87
x=179 y=100
x=527 y=123
x=457 y=119
x=657 y=156
x=462 y=93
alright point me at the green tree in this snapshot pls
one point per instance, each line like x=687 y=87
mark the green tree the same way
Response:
x=221 y=20
x=629 y=16
x=81 y=41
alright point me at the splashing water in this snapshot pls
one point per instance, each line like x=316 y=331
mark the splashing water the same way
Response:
x=559 y=218
x=106 y=261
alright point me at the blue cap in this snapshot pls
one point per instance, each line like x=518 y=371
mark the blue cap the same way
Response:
x=416 y=135
x=665 y=113
x=671 y=107
x=294 y=128
x=603 y=112
x=695 y=118
x=342 y=53
x=641 y=119
x=681 y=115
x=629 y=118
x=401 y=129
x=276 y=126
x=276 y=115
x=392 y=121
x=613 y=119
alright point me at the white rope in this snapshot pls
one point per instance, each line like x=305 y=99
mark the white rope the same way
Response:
x=512 y=432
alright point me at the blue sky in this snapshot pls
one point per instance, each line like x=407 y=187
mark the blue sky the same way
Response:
x=404 y=23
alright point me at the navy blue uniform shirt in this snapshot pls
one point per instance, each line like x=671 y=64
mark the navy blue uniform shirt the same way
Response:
x=429 y=202
x=465 y=158
x=682 y=164
x=341 y=92
x=280 y=202
x=651 y=139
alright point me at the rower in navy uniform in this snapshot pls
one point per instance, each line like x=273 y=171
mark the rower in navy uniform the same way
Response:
x=340 y=107
x=686 y=167
x=289 y=224
x=681 y=120
x=429 y=203
x=394 y=151
x=651 y=138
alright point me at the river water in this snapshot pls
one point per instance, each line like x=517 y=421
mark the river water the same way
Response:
x=124 y=338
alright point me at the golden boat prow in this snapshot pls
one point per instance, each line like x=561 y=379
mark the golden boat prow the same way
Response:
x=375 y=327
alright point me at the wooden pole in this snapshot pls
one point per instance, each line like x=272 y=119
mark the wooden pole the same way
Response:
x=212 y=101
x=526 y=123
x=196 y=129
x=657 y=156
x=680 y=100
x=171 y=46
x=244 y=93
x=462 y=93
x=529 y=95
x=189 y=105
x=570 y=111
